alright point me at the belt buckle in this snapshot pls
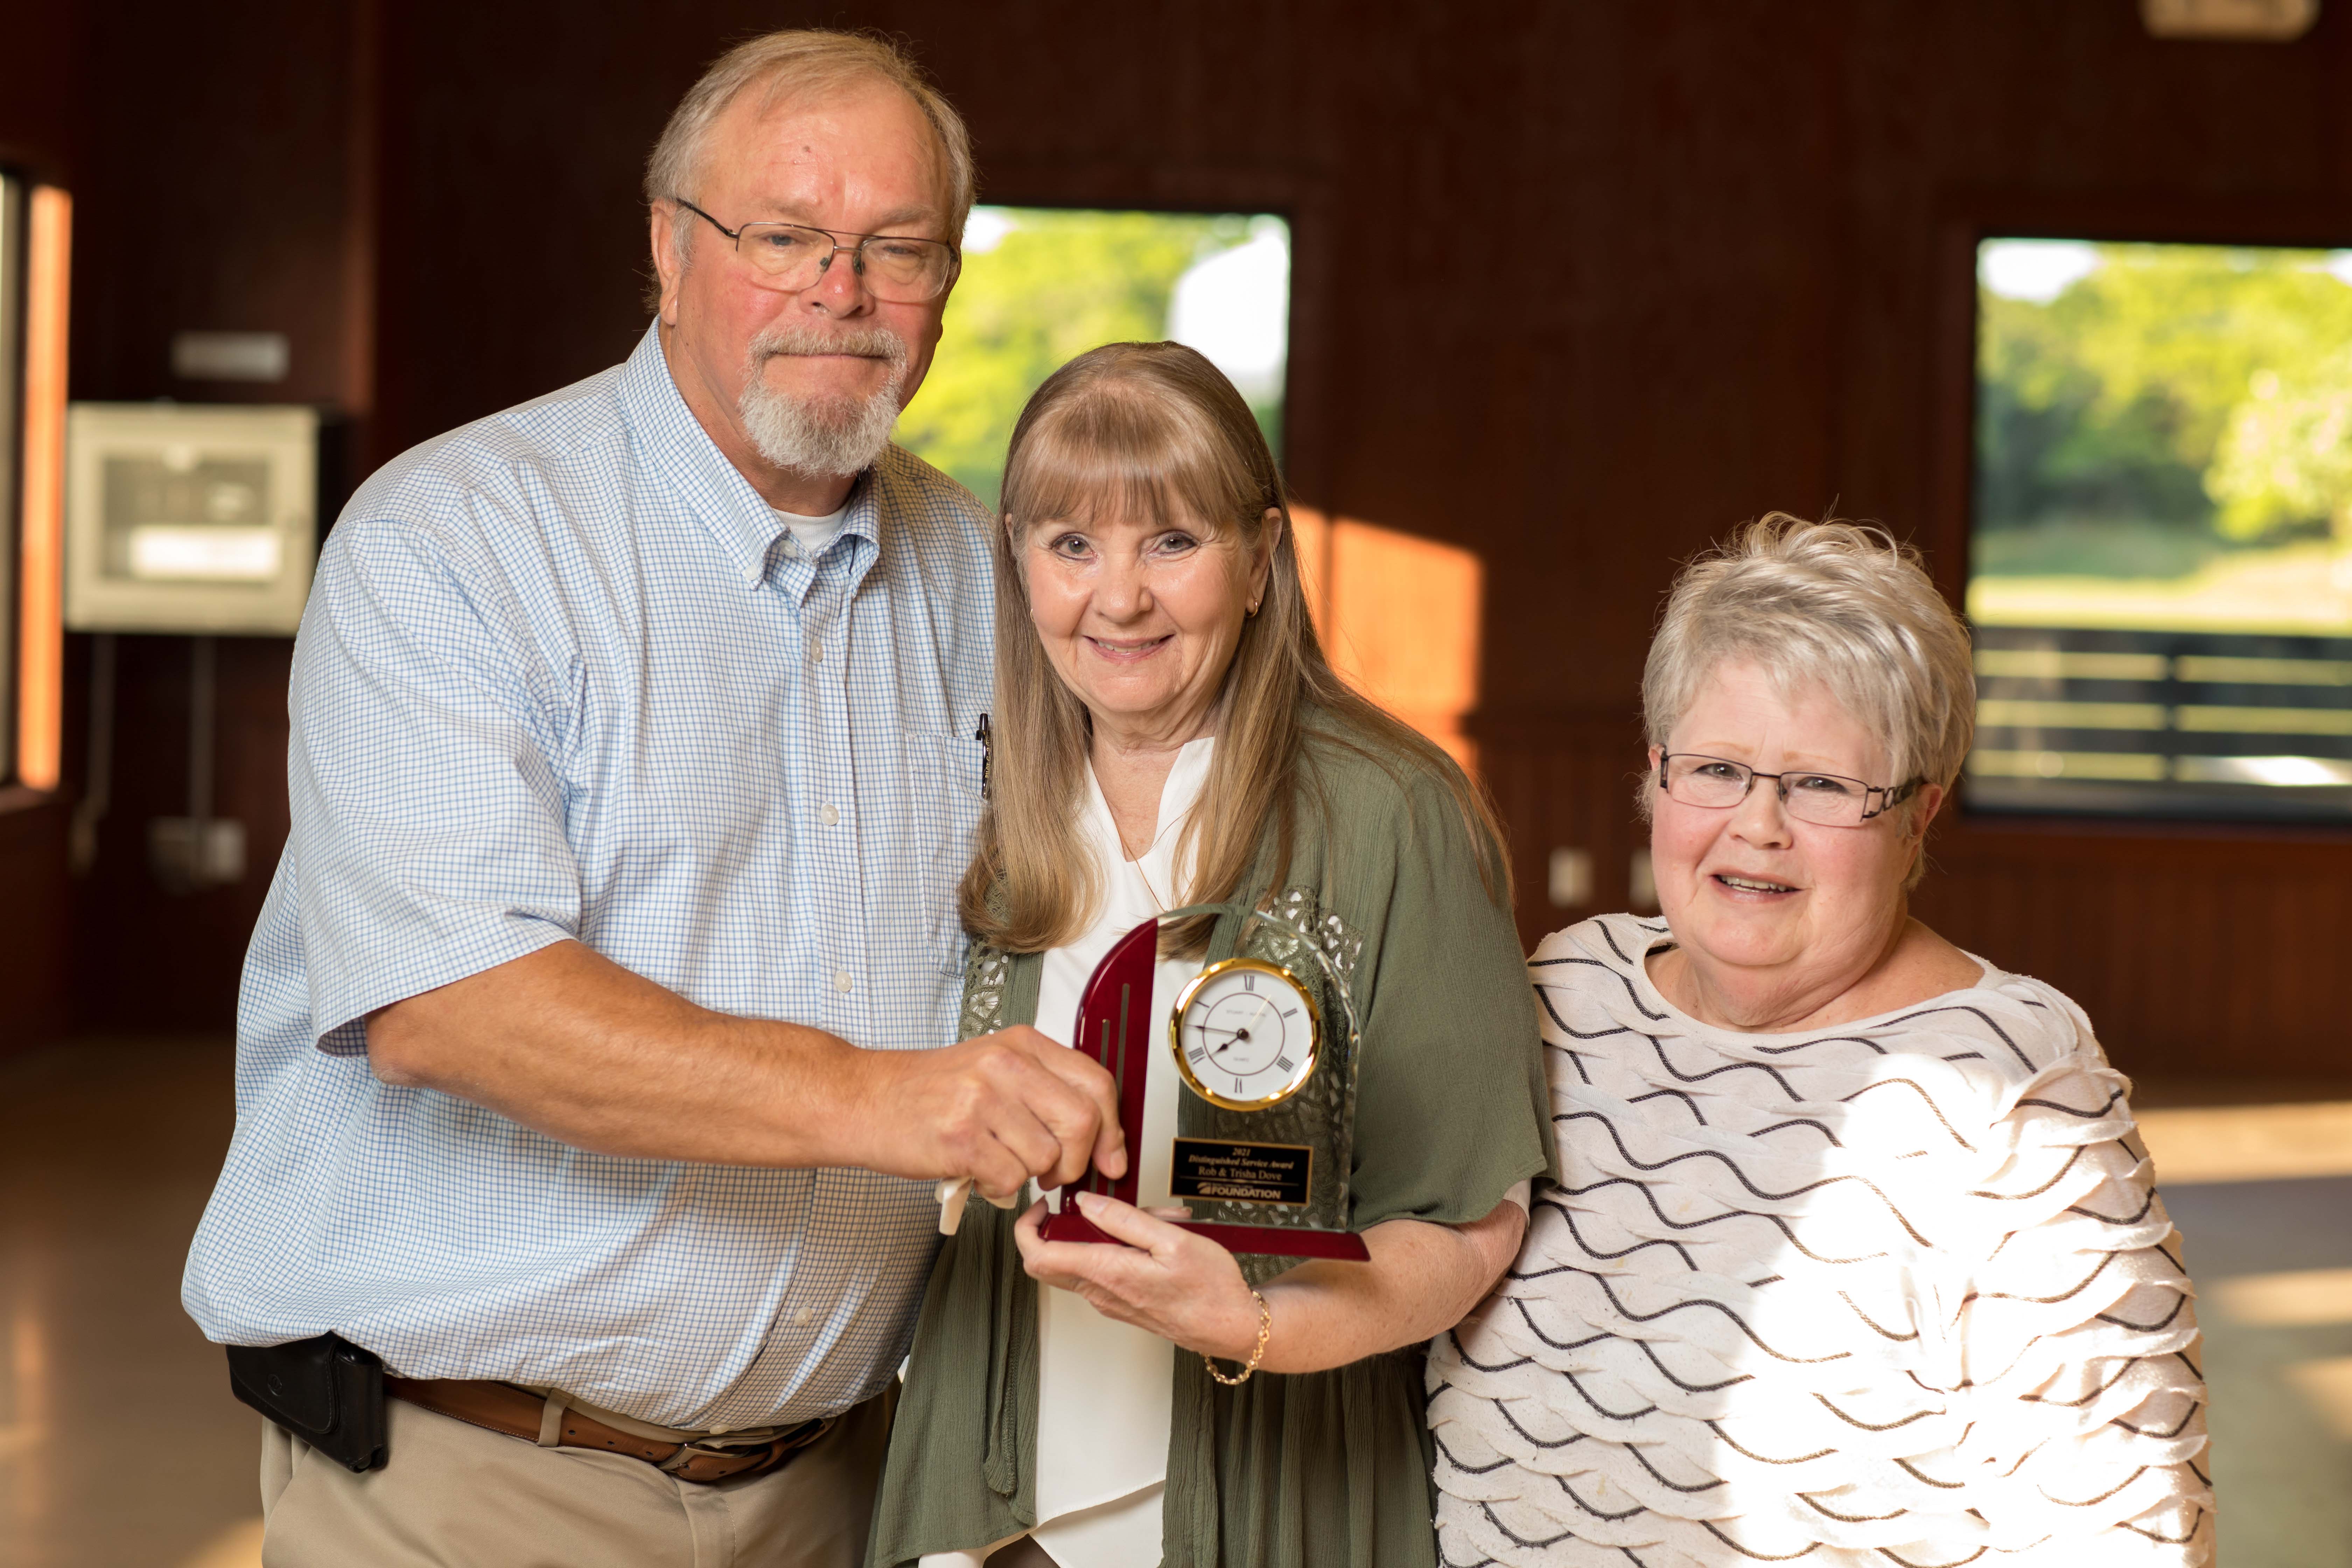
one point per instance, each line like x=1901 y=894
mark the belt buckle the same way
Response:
x=765 y=1456
x=689 y=1452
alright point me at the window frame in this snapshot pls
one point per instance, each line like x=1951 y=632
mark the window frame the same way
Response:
x=1963 y=220
x=16 y=211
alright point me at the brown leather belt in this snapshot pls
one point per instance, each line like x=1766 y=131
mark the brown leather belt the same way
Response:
x=517 y=1413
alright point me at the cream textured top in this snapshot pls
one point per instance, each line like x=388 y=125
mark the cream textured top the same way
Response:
x=1899 y=1292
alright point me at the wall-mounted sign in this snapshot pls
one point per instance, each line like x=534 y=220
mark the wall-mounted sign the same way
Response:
x=189 y=519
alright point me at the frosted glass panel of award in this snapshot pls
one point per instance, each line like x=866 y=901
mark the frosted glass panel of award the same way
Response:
x=1264 y=1046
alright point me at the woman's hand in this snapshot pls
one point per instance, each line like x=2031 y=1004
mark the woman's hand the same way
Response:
x=1167 y=1281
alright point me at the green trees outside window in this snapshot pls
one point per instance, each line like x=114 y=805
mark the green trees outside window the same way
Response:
x=1042 y=285
x=2170 y=415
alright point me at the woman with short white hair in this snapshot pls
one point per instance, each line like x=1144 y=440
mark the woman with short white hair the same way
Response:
x=1857 y=1259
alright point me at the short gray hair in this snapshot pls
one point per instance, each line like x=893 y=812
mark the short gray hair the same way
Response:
x=811 y=61
x=1831 y=601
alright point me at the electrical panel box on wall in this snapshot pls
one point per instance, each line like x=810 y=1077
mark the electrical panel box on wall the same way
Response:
x=190 y=517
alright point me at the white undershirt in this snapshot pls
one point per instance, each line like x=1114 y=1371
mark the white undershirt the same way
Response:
x=813 y=532
x=1105 y=1388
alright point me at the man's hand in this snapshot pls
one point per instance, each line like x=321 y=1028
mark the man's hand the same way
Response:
x=999 y=1109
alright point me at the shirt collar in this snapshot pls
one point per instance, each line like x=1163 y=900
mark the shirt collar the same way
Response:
x=745 y=525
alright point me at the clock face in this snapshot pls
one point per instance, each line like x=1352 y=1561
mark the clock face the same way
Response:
x=1245 y=1034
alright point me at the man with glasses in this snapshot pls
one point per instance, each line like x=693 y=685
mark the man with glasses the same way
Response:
x=593 y=1071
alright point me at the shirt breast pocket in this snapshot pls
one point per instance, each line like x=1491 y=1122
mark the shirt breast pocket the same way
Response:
x=943 y=774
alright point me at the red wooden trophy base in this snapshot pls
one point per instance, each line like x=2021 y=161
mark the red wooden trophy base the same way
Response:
x=1116 y=1028
x=1273 y=1240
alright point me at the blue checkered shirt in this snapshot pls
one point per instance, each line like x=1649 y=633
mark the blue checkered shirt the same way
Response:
x=564 y=675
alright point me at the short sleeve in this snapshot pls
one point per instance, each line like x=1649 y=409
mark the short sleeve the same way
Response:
x=1453 y=1108
x=426 y=841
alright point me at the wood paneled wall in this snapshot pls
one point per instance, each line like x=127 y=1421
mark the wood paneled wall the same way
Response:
x=1576 y=288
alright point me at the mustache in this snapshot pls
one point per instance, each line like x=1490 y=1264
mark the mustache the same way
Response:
x=799 y=337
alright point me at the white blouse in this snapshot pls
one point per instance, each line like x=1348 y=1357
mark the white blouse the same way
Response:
x=1898 y=1291
x=1104 y=1388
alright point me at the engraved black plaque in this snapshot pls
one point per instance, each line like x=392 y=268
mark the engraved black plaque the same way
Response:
x=1242 y=1173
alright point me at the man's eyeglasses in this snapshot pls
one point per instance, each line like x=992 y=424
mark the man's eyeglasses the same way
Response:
x=896 y=270
x=1824 y=798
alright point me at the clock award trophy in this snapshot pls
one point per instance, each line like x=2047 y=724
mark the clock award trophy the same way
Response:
x=1263 y=1143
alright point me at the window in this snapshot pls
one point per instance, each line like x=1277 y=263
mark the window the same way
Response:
x=2161 y=559
x=1042 y=285
x=12 y=413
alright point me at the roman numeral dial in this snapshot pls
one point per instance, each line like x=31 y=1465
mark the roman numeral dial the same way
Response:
x=1246 y=1034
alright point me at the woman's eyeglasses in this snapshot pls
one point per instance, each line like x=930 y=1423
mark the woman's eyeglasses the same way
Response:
x=1828 y=799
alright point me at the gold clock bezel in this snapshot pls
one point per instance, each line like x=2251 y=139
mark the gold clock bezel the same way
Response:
x=1185 y=1006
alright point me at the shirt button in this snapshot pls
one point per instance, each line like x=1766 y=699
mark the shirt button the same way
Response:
x=841 y=981
x=829 y=814
x=803 y=1318
x=816 y=651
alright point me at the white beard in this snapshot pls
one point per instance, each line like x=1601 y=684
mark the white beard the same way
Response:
x=830 y=438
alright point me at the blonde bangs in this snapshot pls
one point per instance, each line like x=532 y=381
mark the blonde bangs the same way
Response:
x=1122 y=455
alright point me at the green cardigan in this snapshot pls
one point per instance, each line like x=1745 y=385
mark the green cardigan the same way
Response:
x=1315 y=1470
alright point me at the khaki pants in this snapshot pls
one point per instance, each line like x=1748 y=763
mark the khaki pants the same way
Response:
x=455 y=1495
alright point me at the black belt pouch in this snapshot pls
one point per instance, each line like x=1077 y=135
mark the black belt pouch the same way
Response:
x=327 y=1391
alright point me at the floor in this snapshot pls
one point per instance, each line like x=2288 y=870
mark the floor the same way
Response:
x=121 y=1447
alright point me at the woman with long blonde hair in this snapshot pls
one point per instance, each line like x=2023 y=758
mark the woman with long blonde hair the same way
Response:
x=1169 y=733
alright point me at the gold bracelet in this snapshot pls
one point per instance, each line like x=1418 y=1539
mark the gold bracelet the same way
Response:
x=1264 y=1332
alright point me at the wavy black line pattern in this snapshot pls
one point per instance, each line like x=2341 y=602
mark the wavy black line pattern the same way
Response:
x=1552 y=1199
x=2001 y=1034
x=1567 y=1029
x=1717 y=1428
x=2146 y=1204
x=2180 y=1539
x=1912 y=1470
x=1664 y=1371
x=1688 y=1102
x=1643 y=1460
x=1631 y=994
x=1708 y=1525
x=2178 y=1427
x=1543 y=1442
x=2094 y=1501
x=2020 y=1197
x=1820 y=1127
x=1883 y=1334
x=1827 y=1513
x=1881 y=1288
x=1863 y=1041
x=1869 y=1426
x=1521 y=1308
x=1659 y=1047
x=1732 y=1165
x=2112 y=1096
x=1937 y=1110
x=1703 y=1302
x=1438 y=1440
x=1958 y=1563
x=2066 y=1295
x=2121 y=1373
x=1594 y=1252
x=2164 y=1322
